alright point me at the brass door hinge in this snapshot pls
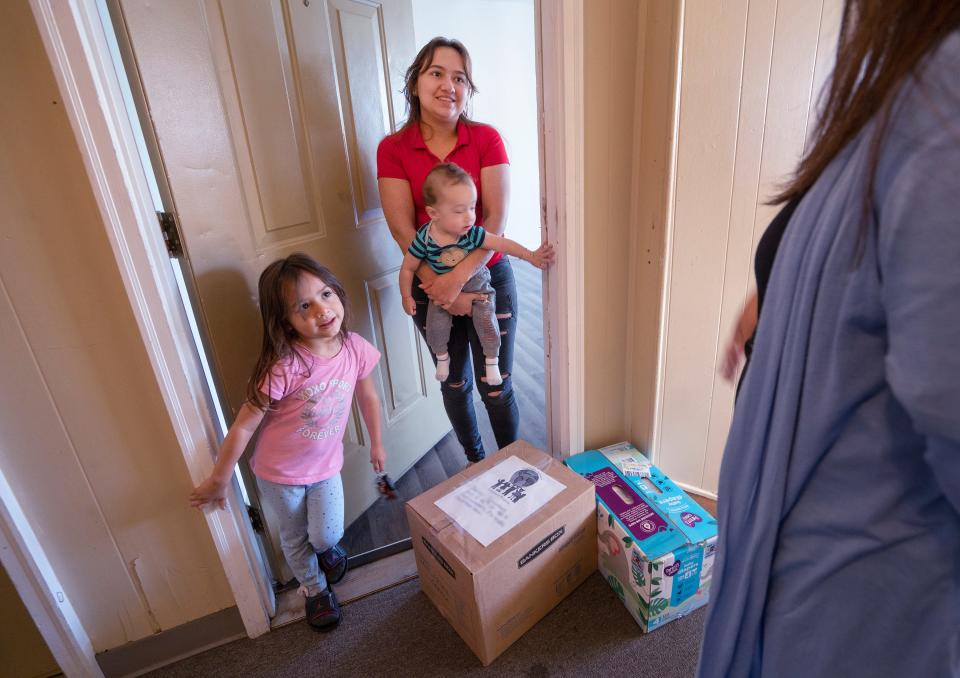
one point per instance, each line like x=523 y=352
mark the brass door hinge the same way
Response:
x=171 y=234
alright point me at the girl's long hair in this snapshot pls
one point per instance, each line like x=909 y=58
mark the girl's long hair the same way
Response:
x=881 y=44
x=279 y=337
x=420 y=63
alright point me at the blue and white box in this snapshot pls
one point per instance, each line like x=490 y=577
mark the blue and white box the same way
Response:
x=656 y=544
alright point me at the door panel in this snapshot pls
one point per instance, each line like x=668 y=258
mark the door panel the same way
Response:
x=357 y=35
x=267 y=116
x=404 y=379
x=263 y=105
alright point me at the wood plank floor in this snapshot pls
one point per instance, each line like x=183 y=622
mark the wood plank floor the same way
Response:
x=384 y=522
x=709 y=504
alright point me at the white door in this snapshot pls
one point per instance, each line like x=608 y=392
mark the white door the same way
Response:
x=267 y=116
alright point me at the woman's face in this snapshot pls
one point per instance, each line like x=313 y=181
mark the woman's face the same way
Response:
x=442 y=87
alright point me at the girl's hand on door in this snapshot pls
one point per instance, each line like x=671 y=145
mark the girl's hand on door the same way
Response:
x=378 y=458
x=210 y=491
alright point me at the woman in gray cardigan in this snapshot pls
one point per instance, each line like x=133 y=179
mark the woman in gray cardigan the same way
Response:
x=839 y=498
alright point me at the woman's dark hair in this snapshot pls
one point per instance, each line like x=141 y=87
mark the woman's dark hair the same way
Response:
x=421 y=63
x=882 y=43
x=276 y=282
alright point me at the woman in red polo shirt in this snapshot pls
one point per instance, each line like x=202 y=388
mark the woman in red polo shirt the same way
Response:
x=438 y=86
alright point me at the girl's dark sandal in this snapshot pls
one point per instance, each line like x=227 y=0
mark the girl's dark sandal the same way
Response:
x=323 y=611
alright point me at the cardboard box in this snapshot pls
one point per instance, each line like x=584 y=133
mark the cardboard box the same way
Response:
x=656 y=545
x=493 y=594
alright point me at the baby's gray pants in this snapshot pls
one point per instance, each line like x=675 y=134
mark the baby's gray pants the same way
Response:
x=485 y=322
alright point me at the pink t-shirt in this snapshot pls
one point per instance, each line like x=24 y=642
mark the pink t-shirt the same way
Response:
x=301 y=440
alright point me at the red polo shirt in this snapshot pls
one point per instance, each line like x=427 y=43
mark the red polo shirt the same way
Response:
x=404 y=155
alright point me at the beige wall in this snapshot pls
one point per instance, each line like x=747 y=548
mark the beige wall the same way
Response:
x=751 y=71
x=85 y=440
x=629 y=71
x=650 y=211
x=678 y=238
x=610 y=73
x=23 y=652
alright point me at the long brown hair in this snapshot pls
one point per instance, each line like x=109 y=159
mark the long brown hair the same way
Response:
x=421 y=63
x=279 y=337
x=881 y=44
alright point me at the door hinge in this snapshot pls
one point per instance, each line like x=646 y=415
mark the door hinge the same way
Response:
x=171 y=234
x=256 y=520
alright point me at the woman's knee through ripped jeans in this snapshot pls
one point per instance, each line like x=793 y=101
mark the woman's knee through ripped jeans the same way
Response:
x=467 y=369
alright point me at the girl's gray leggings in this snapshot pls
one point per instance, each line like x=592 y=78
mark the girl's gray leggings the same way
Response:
x=311 y=521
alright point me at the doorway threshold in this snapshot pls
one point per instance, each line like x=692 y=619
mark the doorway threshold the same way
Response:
x=360 y=581
x=379 y=553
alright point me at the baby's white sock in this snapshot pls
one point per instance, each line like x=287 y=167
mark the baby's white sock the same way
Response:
x=443 y=367
x=493 y=371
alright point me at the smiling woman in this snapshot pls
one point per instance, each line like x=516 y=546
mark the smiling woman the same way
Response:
x=437 y=88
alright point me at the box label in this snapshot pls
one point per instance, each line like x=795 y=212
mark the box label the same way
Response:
x=636 y=514
x=489 y=505
x=541 y=547
x=685 y=572
x=439 y=558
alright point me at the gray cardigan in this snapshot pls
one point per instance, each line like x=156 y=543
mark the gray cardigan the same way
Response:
x=839 y=498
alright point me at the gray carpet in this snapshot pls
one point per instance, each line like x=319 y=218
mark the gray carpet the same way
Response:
x=399 y=633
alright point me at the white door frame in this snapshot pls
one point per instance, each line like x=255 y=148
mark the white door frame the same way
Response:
x=26 y=564
x=559 y=27
x=79 y=55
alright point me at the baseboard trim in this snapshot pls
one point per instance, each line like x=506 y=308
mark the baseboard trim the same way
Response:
x=699 y=491
x=140 y=656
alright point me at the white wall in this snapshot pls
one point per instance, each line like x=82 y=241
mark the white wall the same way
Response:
x=500 y=37
x=751 y=73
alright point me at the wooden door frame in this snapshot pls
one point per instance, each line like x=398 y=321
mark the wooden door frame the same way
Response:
x=37 y=585
x=559 y=35
x=82 y=64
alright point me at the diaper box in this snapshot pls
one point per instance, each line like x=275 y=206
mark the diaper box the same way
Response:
x=656 y=544
x=501 y=543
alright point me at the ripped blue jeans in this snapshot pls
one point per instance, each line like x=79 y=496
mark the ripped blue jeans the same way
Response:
x=464 y=347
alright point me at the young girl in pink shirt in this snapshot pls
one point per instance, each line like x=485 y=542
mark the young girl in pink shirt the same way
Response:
x=299 y=396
